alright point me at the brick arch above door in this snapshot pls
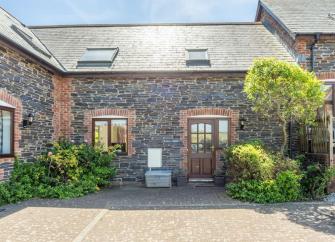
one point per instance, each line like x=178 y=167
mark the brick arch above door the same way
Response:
x=233 y=115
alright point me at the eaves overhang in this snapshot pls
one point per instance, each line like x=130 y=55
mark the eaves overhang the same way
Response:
x=30 y=54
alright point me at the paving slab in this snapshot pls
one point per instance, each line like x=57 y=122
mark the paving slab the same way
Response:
x=135 y=213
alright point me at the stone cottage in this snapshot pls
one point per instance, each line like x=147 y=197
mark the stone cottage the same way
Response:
x=173 y=87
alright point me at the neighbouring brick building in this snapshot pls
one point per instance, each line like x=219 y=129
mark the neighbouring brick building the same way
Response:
x=172 y=87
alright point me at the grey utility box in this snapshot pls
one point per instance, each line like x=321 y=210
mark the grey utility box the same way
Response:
x=158 y=178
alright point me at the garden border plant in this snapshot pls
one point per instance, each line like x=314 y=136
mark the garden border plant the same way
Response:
x=273 y=178
x=286 y=93
x=66 y=170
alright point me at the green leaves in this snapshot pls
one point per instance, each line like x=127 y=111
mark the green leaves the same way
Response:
x=286 y=187
x=66 y=171
x=284 y=91
x=249 y=161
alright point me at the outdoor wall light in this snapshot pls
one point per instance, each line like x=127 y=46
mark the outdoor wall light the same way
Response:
x=28 y=121
x=242 y=123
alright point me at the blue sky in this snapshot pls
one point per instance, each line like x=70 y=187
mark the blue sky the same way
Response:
x=43 y=12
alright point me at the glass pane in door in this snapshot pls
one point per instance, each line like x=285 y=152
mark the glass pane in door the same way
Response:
x=223 y=133
x=201 y=138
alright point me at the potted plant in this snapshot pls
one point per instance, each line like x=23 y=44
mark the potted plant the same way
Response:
x=219 y=179
x=181 y=177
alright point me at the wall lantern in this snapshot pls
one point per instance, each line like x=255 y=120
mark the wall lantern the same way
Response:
x=242 y=123
x=28 y=121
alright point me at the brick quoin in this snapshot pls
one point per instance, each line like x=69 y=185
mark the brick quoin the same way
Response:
x=62 y=116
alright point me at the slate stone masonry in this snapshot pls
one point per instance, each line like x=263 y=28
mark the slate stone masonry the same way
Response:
x=157 y=103
x=30 y=83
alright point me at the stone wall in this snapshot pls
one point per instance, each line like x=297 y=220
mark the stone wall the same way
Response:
x=31 y=84
x=321 y=60
x=324 y=54
x=157 y=104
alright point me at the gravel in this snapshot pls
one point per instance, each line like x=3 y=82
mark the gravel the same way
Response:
x=330 y=198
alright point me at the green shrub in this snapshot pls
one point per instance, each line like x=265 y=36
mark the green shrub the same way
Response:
x=286 y=187
x=249 y=161
x=285 y=164
x=288 y=183
x=62 y=162
x=255 y=191
x=66 y=171
x=315 y=180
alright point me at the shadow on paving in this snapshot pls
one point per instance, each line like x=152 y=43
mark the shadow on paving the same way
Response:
x=319 y=216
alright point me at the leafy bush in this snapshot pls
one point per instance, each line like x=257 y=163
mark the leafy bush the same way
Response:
x=315 y=180
x=249 y=161
x=285 y=164
x=288 y=183
x=286 y=187
x=66 y=171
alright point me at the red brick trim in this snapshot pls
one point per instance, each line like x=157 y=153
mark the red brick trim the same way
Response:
x=16 y=102
x=186 y=114
x=129 y=114
x=62 y=116
x=2 y=174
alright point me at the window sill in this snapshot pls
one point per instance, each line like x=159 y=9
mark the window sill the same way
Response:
x=7 y=156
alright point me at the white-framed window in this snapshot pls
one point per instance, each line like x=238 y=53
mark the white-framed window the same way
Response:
x=6 y=131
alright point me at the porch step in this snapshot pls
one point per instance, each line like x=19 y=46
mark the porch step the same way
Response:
x=201 y=180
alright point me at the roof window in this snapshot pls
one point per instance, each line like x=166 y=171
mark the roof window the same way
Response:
x=197 y=57
x=29 y=39
x=98 y=57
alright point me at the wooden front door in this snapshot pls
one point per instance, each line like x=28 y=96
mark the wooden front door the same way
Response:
x=201 y=148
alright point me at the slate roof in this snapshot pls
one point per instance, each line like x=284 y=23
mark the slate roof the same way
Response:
x=8 y=24
x=303 y=16
x=231 y=47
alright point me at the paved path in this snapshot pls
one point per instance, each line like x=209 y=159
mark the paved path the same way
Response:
x=177 y=214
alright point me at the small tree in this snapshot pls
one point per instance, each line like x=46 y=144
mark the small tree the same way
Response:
x=283 y=91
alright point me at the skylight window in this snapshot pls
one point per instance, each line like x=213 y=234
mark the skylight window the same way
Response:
x=98 y=57
x=197 y=57
x=29 y=39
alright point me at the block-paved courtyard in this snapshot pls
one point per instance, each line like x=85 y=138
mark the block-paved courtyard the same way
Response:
x=134 y=213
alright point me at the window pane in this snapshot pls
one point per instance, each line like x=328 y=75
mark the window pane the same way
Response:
x=119 y=133
x=194 y=128
x=197 y=54
x=201 y=128
x=101 y=134
x=194 y=138
x=6 y=123
x=98 y=55
x=208 y=128
x=208 y=143
x=201 y=138
x=200 y=148
x=223 y=133
x=223 y=126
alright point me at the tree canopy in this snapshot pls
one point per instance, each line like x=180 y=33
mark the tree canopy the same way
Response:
x=283 y=91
